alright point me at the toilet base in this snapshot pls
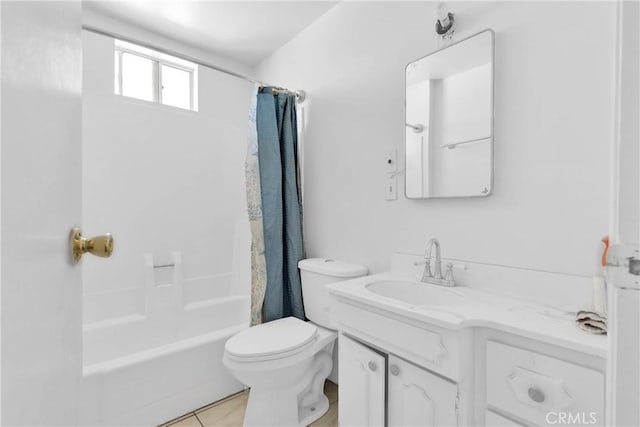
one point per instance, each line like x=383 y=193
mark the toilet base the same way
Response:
x=294 y=406
x=313 y=412
x=260 y=411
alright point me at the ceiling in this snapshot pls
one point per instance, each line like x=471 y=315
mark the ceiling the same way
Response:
x=247 y=31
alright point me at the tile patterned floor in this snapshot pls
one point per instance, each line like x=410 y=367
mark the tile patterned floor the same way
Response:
x=229 y=412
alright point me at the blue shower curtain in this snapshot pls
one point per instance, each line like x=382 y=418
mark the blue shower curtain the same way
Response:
x=276 y=124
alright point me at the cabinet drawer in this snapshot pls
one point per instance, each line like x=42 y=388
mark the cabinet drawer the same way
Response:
x=535 y=387
x=491 y=419
x=433 y=348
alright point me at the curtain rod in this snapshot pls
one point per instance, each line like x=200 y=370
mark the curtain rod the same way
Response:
x=300 y=94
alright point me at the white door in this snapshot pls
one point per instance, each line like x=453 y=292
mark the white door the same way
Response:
x=361 y=377
x=623 y=374
x=40 y=199
x=418 y=397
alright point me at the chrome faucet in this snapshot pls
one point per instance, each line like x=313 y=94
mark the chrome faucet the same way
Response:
x=437 y=274
x=435 y=277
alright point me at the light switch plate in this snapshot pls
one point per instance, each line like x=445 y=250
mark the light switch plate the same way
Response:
x=390 y=160
x=391 y=189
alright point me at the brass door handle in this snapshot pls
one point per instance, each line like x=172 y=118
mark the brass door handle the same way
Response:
x=101 y=246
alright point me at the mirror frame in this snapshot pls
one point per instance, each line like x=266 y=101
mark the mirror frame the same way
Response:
x=493 y=114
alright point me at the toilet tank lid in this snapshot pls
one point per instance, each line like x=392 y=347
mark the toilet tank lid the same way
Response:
x=332 y=267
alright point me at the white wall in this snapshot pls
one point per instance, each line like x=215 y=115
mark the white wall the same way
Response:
x=553 y=126
x=629 y=196
x=161 y=180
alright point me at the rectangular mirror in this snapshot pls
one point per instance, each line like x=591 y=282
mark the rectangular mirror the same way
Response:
x=449 y=121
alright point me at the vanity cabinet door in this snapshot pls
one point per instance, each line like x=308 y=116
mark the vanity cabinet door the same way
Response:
x=418 y=397
x=361 y=377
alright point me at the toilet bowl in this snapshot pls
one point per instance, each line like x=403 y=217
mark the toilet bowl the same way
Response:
x=286 y=362
x=285 y=369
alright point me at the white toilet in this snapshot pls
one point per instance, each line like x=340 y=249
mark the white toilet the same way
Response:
x=285 y=362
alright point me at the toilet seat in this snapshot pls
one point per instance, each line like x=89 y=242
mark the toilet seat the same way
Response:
x=273 y=340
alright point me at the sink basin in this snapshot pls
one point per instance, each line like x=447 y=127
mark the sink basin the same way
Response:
x=414 y=293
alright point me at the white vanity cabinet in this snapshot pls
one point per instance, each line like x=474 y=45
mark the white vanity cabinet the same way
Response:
x=419 y=398
x=418 y=354
x=415 y=396
x=362 y=384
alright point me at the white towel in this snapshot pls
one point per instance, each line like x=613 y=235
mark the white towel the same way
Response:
x=593 y=322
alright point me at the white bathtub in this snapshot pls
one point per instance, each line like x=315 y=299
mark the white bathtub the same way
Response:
x=145 y=370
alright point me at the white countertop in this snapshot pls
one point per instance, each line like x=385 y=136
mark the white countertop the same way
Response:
x=479 y=308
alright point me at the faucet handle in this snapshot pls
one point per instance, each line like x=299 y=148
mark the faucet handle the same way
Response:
x=426 y=274
x=449 y=274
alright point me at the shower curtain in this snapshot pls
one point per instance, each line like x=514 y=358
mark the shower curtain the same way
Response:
x=275 y=208
x=254 y=208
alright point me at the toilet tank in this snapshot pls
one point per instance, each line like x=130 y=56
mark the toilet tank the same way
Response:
x=315 y=274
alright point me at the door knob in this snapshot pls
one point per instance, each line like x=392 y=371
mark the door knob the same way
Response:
x=395 y=371
x=372 y=366
x=101 y=246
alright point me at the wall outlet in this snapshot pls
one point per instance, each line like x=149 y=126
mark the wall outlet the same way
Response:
x=390 y=160
x=391 y=189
